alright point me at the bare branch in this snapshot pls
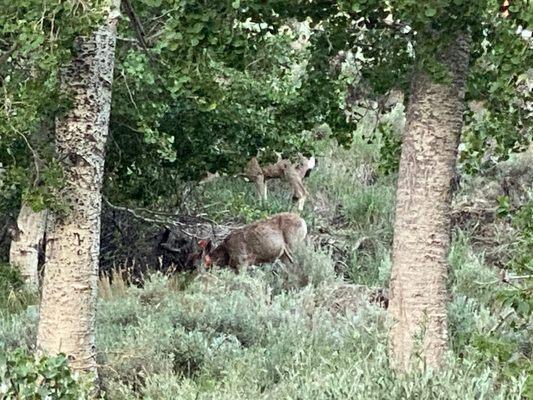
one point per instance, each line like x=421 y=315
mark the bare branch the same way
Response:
x=7 y=53
x=136 y=25
x=501 y=321
x=36 y=159
x=153 y=219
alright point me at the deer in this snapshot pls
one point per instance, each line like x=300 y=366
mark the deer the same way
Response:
x=283 y=169
x=261 y=242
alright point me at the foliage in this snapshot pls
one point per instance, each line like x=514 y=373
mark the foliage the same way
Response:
x=355 y=204
x=24 y=376
x=389 y=150
x=276 y=331
x=14 y=297
x=203 y=87
x=36 y=39
x=522 y=221
x=517 y=295
x=227 y=198
x=489 y=317
x=214 y=86
x=233 y=336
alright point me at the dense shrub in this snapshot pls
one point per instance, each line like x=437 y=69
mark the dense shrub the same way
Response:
x=231 y=336
x=25 y=376
x=307 y=331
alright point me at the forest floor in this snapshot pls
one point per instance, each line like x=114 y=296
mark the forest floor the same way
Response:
x=309 y=331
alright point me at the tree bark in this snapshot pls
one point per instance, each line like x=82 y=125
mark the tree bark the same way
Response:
x=27 y=244
x=422 y=226
x=67 y=310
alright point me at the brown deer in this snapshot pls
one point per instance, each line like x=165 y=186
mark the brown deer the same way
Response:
x=260 y=242
x=283 y=169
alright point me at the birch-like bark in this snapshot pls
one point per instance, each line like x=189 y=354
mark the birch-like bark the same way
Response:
x=422 y=226
x=67 y=310
x=27 y=244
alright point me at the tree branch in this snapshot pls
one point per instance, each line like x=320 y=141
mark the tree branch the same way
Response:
x=7 y=53
x=136 y=24
x=36 y=159
x=153 y=219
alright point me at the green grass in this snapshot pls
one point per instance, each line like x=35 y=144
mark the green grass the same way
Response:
x=233 y=198
x=300 y=332
x=232 y=339
x=14 y=297
x=278 y=333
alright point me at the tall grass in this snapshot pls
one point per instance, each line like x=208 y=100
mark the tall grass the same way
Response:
x=270 y=335
x=277 y=333
x=303 y=331
x=14 y=296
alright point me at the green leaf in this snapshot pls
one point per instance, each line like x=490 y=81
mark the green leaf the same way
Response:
x=356 y=7
x=430 y=12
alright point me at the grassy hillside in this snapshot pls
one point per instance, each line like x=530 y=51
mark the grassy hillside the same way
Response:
x=308 y=331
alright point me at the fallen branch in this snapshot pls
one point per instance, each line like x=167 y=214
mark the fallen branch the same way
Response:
x=518 y=277
x=501 y=321
x=151 y=220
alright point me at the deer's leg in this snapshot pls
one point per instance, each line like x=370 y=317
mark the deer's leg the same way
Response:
x=255 y=174
x=299 y=196
x=263 y=194
x=286 y=254
x=260 y=187
x=294 y=179
x=300 y=203
x=239 y=263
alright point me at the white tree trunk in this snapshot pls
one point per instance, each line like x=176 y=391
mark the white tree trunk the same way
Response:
x=68 y=302
x=27 y=243
x=422 y=227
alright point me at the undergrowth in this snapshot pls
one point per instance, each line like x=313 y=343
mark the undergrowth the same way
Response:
x=304 y=331
x=277 y=333
x=14 y=297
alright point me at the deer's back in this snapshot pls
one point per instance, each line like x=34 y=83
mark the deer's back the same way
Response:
x=264 y=241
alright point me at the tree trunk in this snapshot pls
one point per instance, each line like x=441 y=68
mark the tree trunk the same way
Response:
x=27 y=243
x=422 y=227
x=68 y=302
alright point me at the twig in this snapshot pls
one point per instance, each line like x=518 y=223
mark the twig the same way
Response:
x=127 y=39
x=488 y=283
x=254 y=62
x=151 y=220
x=138 y=28
x=5 y=56
x=36 y=158
x=343 y=264
x=154 y=212
x=519 y=277
x=129 y=91
x=135 y=22
x=502 y=320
